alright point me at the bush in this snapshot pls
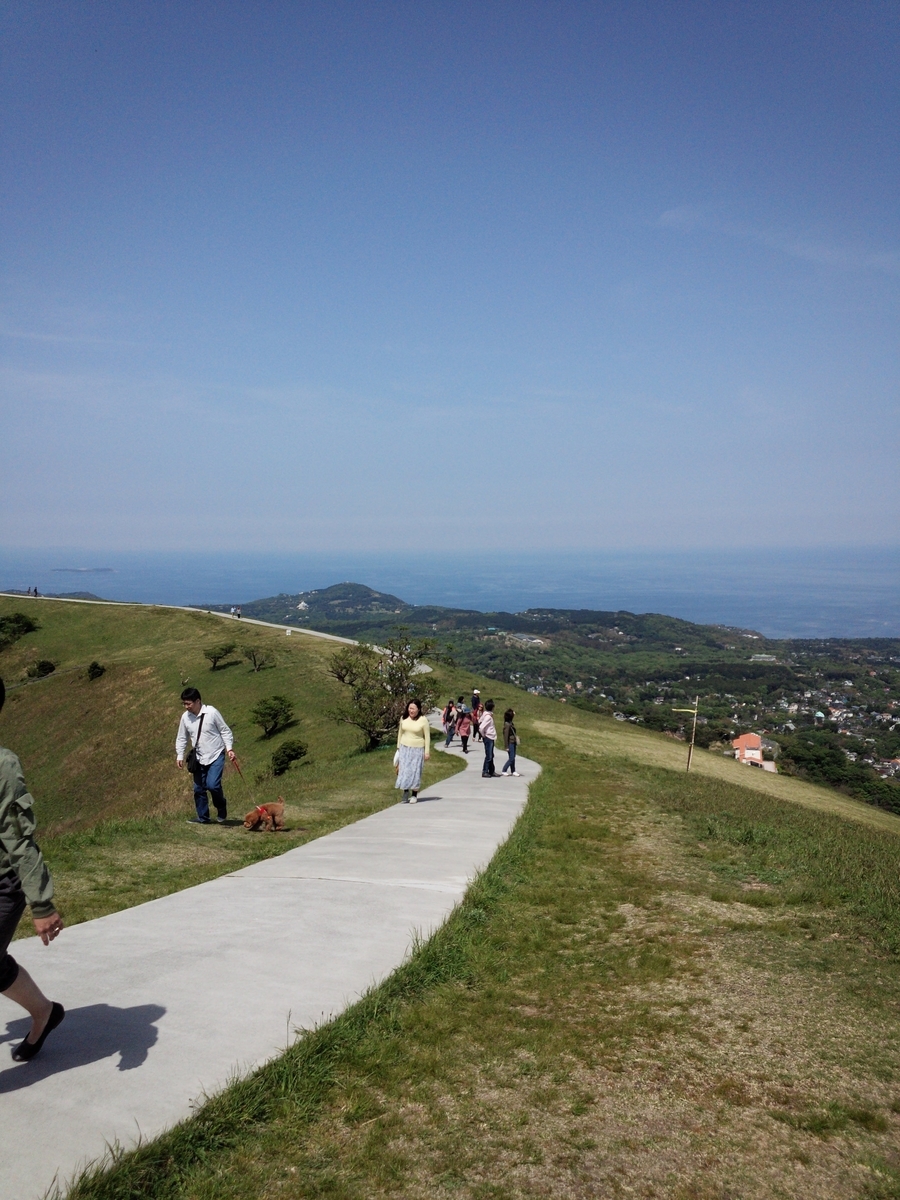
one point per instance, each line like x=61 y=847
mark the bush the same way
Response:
x=95 y=670
x=15 y=626
x=272 y=714
x=215 y=654
x=41 y=669
x=288 y=752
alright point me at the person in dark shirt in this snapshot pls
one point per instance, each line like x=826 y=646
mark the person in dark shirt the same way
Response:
x=24 y=880
x=510 y=742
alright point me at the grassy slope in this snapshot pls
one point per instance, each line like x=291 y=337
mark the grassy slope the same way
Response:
x=664 y=985
x=99 y=756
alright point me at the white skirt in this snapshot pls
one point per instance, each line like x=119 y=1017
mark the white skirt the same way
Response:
x=409 y=775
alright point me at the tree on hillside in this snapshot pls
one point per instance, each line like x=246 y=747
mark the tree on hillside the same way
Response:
x=272 y=714
x=258 y=658
x=215 y=654
x=381 y=680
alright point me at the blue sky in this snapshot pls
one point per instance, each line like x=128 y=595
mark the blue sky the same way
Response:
x=284 y=276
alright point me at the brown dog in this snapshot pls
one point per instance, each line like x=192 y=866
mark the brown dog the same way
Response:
x=266 y=816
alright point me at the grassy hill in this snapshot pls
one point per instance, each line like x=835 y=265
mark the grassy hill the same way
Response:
x=832 y=705
x=99 y=754
x=664 y=985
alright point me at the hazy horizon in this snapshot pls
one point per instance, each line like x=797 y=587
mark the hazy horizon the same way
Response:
x=854 y=592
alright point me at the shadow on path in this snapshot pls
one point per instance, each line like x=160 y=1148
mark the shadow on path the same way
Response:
x=87 y=1035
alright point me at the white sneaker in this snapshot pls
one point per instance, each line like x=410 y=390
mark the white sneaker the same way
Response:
x=518 y=774
x=414 y=799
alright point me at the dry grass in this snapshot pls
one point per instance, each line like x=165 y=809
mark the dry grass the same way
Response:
x=656 y=750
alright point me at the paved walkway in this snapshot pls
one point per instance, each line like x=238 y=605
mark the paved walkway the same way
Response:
x=169 y=1000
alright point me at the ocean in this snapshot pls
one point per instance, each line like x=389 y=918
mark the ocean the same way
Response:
x=836 y=592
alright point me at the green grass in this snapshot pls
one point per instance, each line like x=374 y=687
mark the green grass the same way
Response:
x=662 y=985
x=604 y=1006
x=99 y=755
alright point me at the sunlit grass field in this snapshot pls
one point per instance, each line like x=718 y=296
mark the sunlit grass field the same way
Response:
x=663 y=986
x=99 y=755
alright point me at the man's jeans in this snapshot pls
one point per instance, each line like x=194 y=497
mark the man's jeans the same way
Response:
x=488 y=768
x=209 y=779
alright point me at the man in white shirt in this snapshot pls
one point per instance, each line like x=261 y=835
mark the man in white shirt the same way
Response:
x=205 y=728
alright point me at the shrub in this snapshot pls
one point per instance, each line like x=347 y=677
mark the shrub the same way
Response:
x=272 y=714
x=14 y=626
x=95 y=670
x=215 y=654
x=41 y=669
x=288 y=752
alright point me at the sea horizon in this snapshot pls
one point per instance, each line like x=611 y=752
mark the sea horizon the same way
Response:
x=805 y=593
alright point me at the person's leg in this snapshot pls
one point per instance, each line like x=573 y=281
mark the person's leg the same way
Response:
x=214 y=785
x=512 y=759
x=488 y=768
x=26 y=993
x=201 y=802
x=464 y=738
x=15 y=982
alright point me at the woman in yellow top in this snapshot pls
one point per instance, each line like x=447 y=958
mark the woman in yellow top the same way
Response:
x=413 y=748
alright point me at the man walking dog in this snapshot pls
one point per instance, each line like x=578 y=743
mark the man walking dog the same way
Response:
x=211 y=739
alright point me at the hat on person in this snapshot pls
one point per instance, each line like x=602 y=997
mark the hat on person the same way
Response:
x=475 y=692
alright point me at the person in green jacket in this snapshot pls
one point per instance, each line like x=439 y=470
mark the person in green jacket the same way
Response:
x=24 y=879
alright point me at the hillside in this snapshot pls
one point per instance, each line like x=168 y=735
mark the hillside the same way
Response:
x=832 y=706
x=99 y=754
x=663 y=985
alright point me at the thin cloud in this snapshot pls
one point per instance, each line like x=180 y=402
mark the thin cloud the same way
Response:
x=691 y=218
x=73 y=339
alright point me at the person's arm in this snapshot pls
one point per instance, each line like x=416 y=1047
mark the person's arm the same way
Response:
x=17 y=825
x=399 y=732
x=181 y=740
x=427 y=737
x=227 y=735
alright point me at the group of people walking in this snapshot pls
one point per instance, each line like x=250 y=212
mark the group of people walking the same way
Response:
x=25 y=879
x=414 y=740
x=478 y=722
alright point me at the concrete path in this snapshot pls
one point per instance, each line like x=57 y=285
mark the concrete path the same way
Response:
x=168 y=1001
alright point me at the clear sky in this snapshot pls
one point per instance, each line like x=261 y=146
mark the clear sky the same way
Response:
x=495 y=275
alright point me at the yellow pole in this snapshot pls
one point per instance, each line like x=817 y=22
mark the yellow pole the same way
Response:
x=693 y=710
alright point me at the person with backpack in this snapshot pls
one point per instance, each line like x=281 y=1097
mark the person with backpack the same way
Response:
x=448 y=719
x=464 y=728
x=488 y=733
x=510 y=742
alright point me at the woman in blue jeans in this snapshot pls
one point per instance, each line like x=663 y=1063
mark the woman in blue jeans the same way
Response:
x=510 y=742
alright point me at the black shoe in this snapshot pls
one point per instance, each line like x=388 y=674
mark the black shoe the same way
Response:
x=26 y=1050
x=198 y=821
